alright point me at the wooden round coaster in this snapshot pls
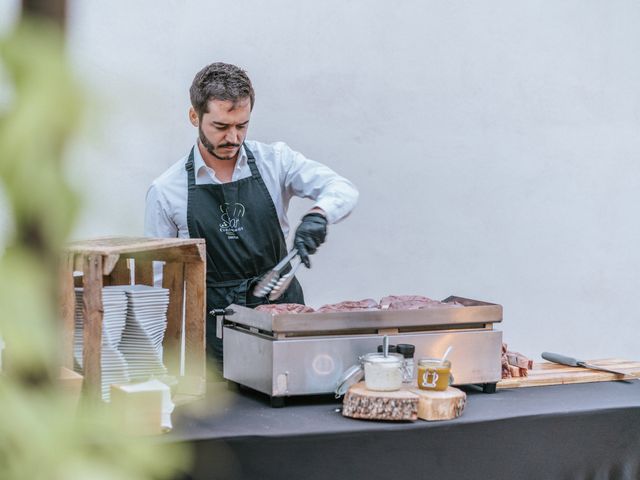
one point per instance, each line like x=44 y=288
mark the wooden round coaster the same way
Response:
x=440 y=405
x=367 y=404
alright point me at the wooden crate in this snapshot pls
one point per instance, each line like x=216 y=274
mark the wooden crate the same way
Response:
x=104 y=261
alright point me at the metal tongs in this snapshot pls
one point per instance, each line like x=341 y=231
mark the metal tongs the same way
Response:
x=274 y=283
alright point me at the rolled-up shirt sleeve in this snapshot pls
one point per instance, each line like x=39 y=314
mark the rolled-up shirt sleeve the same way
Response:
x=157 y=221
x=306 y=178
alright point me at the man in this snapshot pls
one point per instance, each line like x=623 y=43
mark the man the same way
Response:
x=235 y=194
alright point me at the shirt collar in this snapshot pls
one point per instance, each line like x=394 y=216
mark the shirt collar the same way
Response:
x=198 y=161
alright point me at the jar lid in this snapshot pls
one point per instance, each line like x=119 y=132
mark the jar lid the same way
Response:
x=392 y=348
x=406 y=349
x=351 y=376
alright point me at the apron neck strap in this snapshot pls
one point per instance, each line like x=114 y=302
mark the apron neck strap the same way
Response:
x=191 y=177
x=251 y=161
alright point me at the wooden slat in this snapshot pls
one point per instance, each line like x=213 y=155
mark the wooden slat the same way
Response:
x=93 y=316
x=123 y=245
x=547 y=373
x=78 y=262
x=173 y=279
x=183 y=253
x=120 y=275
x=67 y=302
x=109 y=262
x=195 y=315
x=144 y=272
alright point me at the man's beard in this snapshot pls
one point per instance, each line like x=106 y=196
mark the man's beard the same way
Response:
x=209 y=147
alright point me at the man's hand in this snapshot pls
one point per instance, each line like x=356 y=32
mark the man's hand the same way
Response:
x=310 y=235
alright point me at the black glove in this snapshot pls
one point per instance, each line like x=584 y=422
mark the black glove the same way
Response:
x=310 y=235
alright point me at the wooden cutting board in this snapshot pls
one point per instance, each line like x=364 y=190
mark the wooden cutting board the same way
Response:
x=547 y=373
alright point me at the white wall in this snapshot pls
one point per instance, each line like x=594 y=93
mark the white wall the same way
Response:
x=495 y=143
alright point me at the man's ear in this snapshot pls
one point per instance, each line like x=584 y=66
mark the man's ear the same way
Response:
x=193 y=117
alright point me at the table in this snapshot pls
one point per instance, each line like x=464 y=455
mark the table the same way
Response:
x=582 y=431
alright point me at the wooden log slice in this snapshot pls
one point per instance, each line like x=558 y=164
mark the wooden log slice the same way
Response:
x=440 y=405
x=366 y=404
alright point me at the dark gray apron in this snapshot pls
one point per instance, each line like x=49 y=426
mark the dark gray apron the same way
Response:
x=240 y=225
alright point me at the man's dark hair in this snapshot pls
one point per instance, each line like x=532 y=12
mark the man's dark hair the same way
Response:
x=220 y=81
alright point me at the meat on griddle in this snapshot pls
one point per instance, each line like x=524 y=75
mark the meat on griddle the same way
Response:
x=277 y=308
x=350 y=306
x=413 y=302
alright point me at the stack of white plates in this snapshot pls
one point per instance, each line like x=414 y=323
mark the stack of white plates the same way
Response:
x=113 y=363
x=141 y=342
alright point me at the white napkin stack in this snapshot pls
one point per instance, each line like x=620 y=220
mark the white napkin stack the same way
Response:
x=134 y=323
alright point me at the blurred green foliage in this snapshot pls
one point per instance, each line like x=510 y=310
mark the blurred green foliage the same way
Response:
x=42 y=433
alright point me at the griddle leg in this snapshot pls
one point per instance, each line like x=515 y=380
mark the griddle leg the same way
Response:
x=489 y=387
x=277 y=402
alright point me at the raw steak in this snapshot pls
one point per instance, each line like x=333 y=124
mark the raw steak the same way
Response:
x=412 y=302
x=506 y=371
x=514 y=364
x=284 y=308
x=350 y=306
x=518 y=360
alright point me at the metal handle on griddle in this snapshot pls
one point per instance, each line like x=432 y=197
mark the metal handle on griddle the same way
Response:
x=220 y=314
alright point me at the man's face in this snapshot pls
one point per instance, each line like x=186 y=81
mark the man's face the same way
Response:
x=224 y=127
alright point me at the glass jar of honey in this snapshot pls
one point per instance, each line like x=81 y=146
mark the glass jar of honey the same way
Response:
x=433 y=374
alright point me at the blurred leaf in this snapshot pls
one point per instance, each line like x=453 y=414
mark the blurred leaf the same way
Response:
x=42 y=436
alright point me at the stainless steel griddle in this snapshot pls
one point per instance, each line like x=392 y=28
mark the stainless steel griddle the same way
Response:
x=293 y=354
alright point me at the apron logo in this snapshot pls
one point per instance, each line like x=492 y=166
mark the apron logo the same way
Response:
x=231 y=215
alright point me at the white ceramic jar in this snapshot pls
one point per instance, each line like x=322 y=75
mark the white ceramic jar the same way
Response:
x=383 y=374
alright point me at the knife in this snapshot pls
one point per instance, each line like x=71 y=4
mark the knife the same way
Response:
x=574 y=362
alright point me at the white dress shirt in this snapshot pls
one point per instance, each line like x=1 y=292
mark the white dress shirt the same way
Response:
x=285 y=172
